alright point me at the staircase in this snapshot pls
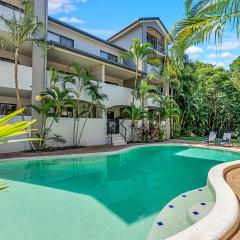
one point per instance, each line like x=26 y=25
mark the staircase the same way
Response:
x=118 y=140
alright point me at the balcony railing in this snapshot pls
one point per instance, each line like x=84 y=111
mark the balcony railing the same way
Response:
x=156 y=44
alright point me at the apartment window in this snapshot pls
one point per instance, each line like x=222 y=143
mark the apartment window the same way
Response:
x=66 y=41
x=7 y=108
x=109 y=56
x=156 y=44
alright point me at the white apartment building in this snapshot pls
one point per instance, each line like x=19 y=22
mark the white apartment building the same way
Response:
x=68 y=45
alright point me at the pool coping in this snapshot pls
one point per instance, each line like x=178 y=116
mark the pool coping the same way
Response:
x=219 y=223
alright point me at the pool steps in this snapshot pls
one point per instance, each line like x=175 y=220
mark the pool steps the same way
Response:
x=182 y=212
x=118 y=140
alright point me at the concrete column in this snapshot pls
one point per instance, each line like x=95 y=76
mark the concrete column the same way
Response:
x=39 y=58
x=99 y=72
x=168 y=125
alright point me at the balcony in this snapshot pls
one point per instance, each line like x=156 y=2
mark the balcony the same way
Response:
x=7 y=75
x=156 y=44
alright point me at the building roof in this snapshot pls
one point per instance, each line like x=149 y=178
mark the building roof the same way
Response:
x=54 y=20
x=138 y=21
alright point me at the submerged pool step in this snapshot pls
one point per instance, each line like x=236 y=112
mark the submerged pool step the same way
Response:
x=199 y=210
x=182 y=212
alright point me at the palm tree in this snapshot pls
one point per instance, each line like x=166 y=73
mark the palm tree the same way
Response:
x=138 y=53
x=80 y=81
x=22 y=29
x=52 y=101
x=135 y=114
x=167 y=109
x=97 y=99
x=205 y=18
x=144 y=92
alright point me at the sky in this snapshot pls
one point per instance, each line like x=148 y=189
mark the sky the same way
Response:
x=103 y=18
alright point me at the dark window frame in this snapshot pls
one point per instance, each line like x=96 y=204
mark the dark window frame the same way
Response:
x=63 y=37
x=110 y=56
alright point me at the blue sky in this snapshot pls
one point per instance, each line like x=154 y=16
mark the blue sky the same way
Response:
x=103 y=18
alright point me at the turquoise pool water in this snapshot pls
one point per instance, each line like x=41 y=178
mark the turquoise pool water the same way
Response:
x=99 y=198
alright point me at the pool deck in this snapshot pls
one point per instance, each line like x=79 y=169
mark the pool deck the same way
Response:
x=233 y=179
x=99 y=148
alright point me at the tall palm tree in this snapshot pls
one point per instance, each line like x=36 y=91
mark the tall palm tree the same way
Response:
x=77 y=83
x=22 y=29
x=138 y=53
x=97 y=99
x=144 y=92
x=167 y=108
x=205 y=18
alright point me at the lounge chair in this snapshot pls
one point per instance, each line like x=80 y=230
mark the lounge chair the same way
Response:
x=211 y=138
x=226 y=139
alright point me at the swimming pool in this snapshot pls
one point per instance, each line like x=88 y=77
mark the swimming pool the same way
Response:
x=103 y=197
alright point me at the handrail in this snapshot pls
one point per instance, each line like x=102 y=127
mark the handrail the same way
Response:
x=125 y=130
x=110 y=132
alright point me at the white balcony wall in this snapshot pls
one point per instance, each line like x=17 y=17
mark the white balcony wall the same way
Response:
x=7 y=76
x=94 y=132
x=117 y=95
x=150 y=103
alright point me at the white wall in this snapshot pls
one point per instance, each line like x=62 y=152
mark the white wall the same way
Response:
x=7 y=76
x=126 y=40
x=81 y=42
x=94 y=132
x=19 y=146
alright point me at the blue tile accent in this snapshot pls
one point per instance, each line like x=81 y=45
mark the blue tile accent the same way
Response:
x=170 y=206
x=203 y=204
x=160 y=223
x=195 y=213
x=184 y=195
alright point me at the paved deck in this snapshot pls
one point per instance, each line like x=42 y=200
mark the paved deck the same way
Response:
x=233 y=179
x=95 y=149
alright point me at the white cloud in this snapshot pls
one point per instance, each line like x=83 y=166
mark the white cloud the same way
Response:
x=218 y=64
x=71 y=19
x=66 y=6
x=221 y=55
x=193 y=50
x=228 y=45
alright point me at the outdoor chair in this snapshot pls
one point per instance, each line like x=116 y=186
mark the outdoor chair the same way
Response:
x=211 y=138
x=226 y=140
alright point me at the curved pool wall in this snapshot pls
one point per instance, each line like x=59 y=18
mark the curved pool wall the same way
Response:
x=115 y=196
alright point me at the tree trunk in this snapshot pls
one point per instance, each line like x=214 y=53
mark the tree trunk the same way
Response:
x=85 y=121
x=135 y=84
x=16 y=77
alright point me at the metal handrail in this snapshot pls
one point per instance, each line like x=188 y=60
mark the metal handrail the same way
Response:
x=125 y=131
x=109 y=132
